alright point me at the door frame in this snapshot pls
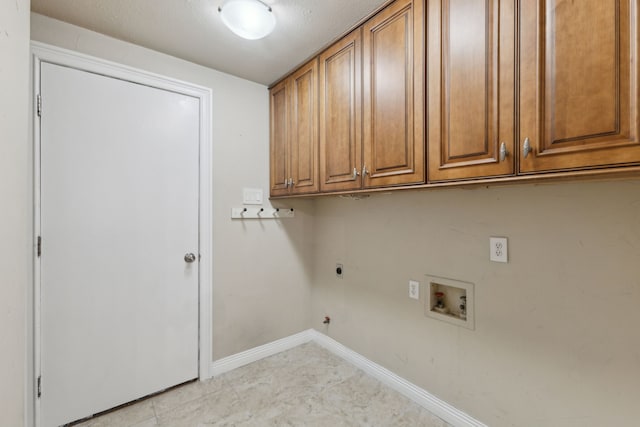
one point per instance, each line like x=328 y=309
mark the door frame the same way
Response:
x=40 y=53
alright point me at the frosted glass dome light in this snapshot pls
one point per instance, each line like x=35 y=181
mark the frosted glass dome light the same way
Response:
x=249 y=19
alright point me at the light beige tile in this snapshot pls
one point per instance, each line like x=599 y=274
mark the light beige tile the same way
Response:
x=266 y=401
x=417 y=416
x=310 y=412
x=248 y=374
x=213 y=385
x=358 y=390
x=151 y=422
x=284 y=362
x=318 y=420
x=365 y=401
x=129 y=416
x=305 y=386
x=173 y=398
x=308 y=353
x=204 y=411
x=178 y=396
x=325 y=375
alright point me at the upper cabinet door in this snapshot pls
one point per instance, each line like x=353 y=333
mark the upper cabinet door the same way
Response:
x=393 y=97
x=279 y=167
x=471 y=87
x=341 y=114
x=303 y=136
x=578 y=84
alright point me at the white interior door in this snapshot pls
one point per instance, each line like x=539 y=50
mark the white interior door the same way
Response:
x=119 y=211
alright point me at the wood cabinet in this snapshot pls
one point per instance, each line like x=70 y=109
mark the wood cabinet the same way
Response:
x=578 y=84
x=501 y=90
x=279 y=139
x=303 y=133
x=294 y=133
x=372 y=103
x=471 y=80
x=393 y=96
x=341 y=114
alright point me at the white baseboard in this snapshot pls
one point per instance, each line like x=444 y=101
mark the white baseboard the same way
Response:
x=423 y=398
x=234 y=361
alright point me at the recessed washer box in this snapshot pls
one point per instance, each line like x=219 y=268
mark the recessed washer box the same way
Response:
x=445 y=298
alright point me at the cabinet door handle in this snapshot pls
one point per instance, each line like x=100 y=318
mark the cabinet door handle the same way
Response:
x=291 y=182
x=503 y=151
x=526 y=148
x=355 y=174
x=365 y=171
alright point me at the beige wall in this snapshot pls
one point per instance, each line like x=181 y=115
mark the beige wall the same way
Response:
x=556 y=340
x=15 y=250
x=261 y=284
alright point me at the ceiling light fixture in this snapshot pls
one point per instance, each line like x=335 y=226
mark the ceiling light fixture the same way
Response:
x=249 y=19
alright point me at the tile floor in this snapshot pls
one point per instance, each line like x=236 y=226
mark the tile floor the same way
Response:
x=304 y=386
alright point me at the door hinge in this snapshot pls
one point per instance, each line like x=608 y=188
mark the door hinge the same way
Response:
x=39 y=105
x=39 y=386
x=39 y=247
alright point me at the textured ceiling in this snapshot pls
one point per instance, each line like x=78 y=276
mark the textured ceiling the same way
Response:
x=192 y=30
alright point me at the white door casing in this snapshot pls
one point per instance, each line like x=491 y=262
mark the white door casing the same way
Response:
x=95 y=219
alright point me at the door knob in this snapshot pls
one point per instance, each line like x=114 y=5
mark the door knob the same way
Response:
x=189 y=257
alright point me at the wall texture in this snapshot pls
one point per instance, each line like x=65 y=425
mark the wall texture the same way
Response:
x=261 y=277
x=15 y=211
x=556 y=341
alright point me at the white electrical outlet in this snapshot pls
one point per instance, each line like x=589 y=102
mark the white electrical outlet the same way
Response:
x=414 y=289
x=498 y=249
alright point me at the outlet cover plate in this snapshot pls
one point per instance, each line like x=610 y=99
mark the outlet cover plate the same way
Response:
x=414 y=289
x=252 y=196
x=498 y=249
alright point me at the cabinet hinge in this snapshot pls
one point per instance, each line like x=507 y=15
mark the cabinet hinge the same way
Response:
x=39 y=247
x=39 y=105
x=39 y=386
